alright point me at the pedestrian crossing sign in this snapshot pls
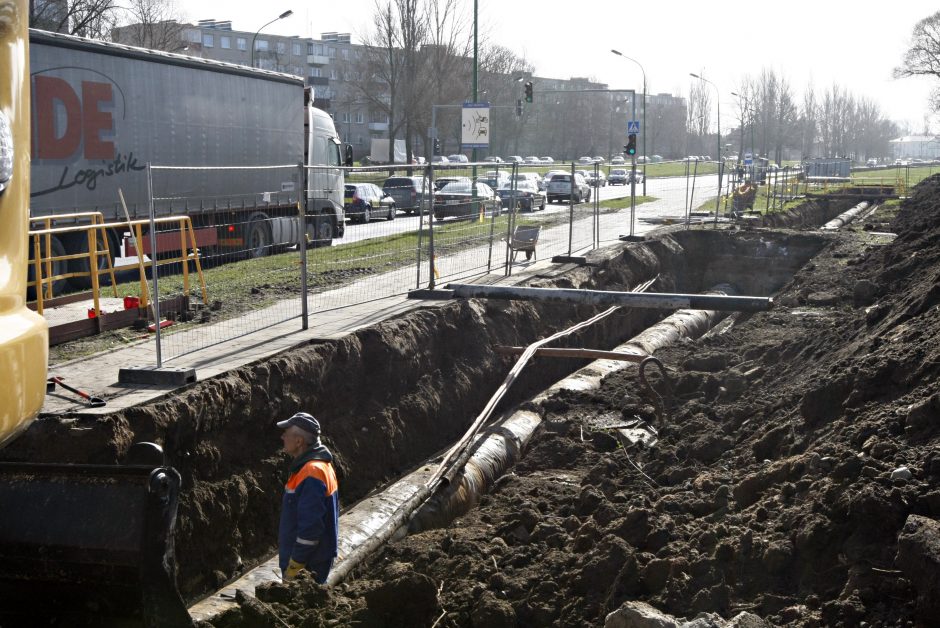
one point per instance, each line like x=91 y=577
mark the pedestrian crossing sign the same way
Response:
x=633 y=126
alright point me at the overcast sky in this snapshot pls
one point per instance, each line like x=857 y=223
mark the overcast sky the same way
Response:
x=822 y=42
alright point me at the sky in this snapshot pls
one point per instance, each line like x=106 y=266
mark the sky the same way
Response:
x=820 y=43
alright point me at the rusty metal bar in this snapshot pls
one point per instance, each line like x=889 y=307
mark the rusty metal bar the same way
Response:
x=607 y=298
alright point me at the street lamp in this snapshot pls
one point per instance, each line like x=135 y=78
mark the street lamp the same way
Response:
x=646 y=157
x=286 y=13
x=720 y=162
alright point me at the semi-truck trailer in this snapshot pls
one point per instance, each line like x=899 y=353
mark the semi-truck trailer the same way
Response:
x=102 y=111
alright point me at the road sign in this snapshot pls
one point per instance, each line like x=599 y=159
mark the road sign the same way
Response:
x=475 y=125
x=633 y=126
x=748 y=159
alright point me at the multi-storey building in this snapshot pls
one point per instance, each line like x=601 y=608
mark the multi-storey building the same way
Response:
x=329 y=66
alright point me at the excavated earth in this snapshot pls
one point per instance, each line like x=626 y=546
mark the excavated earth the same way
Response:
x=795 y=476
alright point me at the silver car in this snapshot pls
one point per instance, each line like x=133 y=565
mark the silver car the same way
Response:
x=561 y=189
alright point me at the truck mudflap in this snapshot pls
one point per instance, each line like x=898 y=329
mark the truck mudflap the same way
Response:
x=89 y=545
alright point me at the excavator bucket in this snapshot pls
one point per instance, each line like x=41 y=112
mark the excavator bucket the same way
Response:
x=88 y=545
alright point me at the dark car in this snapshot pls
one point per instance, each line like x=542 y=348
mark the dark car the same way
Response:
x=364 y=201
x=409 y=193
x=463 y=199
x=527 y=196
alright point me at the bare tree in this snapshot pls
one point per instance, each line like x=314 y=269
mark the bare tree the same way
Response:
x=923 y=57
x=85 y=18
x=698 y=114
x=154 y=24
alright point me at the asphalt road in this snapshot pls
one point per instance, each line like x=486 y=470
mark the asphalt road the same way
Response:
x=671 y=196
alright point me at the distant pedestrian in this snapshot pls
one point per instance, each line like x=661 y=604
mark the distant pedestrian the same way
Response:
x=308 y=533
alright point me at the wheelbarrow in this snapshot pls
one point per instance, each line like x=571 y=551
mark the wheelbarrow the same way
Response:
x=524 y=238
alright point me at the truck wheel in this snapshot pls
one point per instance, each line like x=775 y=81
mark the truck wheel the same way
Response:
x=258 y=238
x=59 y=267
x=324 y=231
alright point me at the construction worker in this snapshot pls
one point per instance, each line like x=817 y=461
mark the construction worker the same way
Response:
x=308 y=532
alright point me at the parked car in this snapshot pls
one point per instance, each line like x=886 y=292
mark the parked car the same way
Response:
x=532 y=159
x=364 y=201
x=409 y=193
x=457 y=158
x=439 y=159
x=464 y=199
x=617 y=160
x=494 y=159
x=495 y=179
x=597 y=179
x=598 y=159
x=526 y=193
x=871 y=163
x=547 y=160
x=585 y=160
x=560 y=188
x=440 y=182
x=618 y=176
x=548 y=177
x=533 y=177
x=621 y=176
x=515 y=159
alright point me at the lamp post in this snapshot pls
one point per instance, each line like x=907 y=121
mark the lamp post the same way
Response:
x=720 y=162
x=286 y=13
x=646 y=157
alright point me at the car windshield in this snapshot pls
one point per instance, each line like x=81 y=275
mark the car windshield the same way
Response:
x=463 y=187
x=618 y=171
x=563 y=178
x=521 y=186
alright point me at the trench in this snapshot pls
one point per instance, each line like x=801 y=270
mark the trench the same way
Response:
x=389 y=397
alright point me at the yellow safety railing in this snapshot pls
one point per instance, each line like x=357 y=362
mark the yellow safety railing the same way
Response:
x=43 y=278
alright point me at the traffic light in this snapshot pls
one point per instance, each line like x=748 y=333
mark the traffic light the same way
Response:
x=519 y=108
x=437 y=146
x=528 y=91
x=630 y=147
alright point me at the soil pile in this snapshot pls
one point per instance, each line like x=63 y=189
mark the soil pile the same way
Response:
x=795 y=477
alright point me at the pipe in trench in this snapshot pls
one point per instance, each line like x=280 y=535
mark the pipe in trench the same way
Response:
x=498 y=449
x=664 y=301
x=845 y=217
x=408 y=506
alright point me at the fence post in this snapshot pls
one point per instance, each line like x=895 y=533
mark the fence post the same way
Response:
x=431 y=227
x=422 y=203
x=302 y=245
x=571 y=211
x=153 y=263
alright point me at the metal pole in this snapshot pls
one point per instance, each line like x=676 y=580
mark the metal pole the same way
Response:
x=646 y=300
x=153 y=265
x=302 y=208
x=633 y=177
x=473 y=157
x=571 y=211
x=431 y=190
x=646 y=156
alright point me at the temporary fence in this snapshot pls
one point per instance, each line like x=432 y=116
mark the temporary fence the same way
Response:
x=304 y=245
x=260 y=228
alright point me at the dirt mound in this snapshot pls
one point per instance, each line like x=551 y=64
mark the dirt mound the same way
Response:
x=795 y=476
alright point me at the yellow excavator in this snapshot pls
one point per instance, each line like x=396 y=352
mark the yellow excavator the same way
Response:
x=80 y=545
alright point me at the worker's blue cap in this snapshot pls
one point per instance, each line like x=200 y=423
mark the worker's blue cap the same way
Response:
x=304 y=421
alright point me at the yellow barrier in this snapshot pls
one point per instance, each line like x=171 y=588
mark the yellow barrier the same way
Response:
x=42 y=281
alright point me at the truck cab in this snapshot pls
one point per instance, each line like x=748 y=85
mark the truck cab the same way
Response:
x=324 y=157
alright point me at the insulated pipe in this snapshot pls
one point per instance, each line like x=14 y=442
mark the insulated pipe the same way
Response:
x=627 y=299
x=845 y=217
x=497 y=449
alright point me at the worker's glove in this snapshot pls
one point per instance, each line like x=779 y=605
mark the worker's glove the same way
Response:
x=293 y=568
